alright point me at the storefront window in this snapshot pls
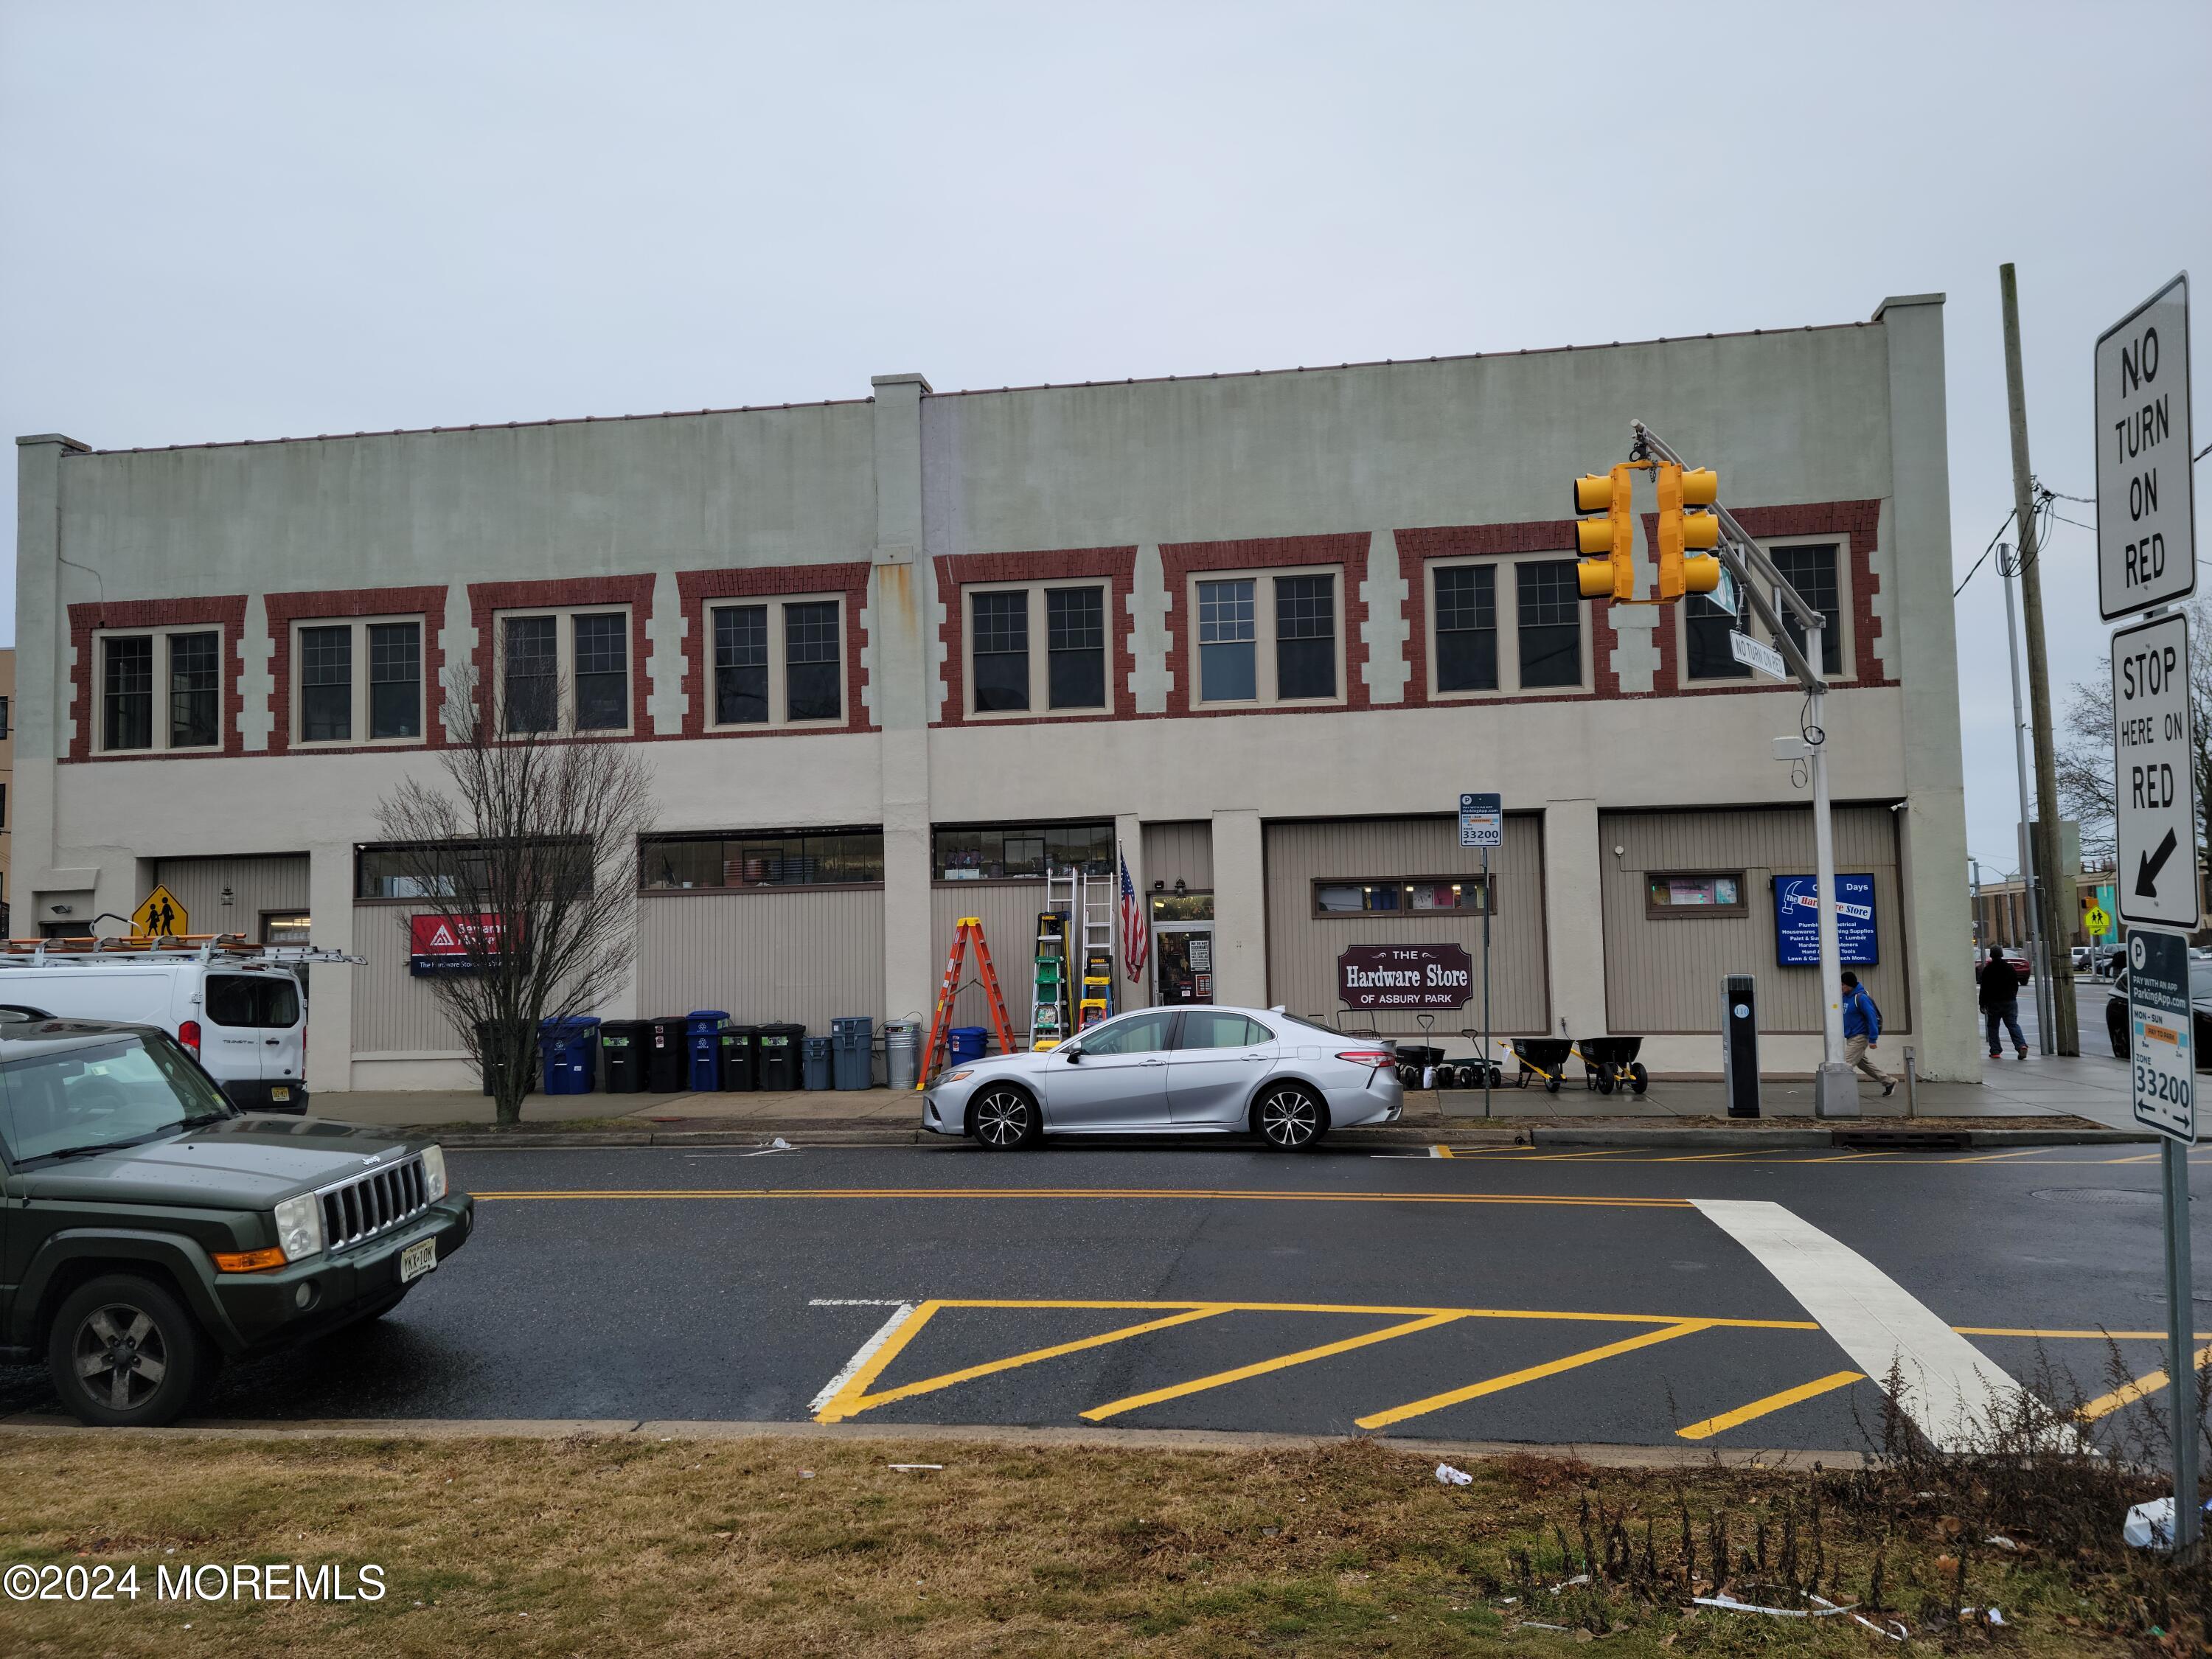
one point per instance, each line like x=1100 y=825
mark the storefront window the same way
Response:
x=1000 y=852
x=1415 y=894
x=448 y=872
x=1693 y=892
x=808 y=859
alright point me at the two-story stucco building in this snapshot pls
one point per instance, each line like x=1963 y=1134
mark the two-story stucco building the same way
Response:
x=887 y=657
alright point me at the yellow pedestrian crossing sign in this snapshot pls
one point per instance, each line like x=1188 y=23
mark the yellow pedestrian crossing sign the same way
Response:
x=159 y=917
x=2096 y=921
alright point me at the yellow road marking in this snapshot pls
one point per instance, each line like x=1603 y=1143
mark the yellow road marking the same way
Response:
x=1442 y=1150
x=1210 y=1193
x=856 y=1386
x=1282 y=1362
x=1773 y=1402
x=854 y=1398
x=2151 y=1382
x=1843 y=1157
x=1995 y=1158
x=1405 y=1313
x=1436 y=1402
x=1721 y=1158
x=2147 y=1157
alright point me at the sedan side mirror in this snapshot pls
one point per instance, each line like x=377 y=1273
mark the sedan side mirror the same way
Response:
x=1073 y=1051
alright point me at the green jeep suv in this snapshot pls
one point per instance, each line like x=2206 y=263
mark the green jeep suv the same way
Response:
x=150 y=1231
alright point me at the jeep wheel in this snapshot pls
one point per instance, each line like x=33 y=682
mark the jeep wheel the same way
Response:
x=126 y=1354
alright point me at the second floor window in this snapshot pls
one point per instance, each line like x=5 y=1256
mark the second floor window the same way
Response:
x=161 y=691
x=1811 y=571
x=779 y=663
x=1467 y=628
x=1008 y=675
x=1305 y=636
x=360 y=682
x=565 y=671
x=1550 y=632
x=1705 y=629
x=1002 y=651
x=1294 y=613
x=1227 y=648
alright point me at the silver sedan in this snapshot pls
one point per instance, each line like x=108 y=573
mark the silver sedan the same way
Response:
x=1174 y=1071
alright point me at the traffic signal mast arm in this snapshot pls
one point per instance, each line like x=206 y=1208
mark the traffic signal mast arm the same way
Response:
x=1748 y=562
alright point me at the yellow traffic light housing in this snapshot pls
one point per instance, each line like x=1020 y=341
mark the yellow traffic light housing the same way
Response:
x=1607 y=545
x=1686 y=528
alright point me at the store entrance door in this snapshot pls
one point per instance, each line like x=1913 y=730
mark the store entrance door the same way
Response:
x=1182 y=948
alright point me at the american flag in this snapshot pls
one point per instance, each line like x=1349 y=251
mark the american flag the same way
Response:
x=1136 y=937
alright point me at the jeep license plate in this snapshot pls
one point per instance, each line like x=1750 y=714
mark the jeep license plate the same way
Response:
x=278 y=1091
x=418 y=1259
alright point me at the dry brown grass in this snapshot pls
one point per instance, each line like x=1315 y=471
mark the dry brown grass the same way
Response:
x=616 y=1545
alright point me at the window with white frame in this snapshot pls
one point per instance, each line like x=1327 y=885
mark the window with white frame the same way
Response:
x=1267 y=639
x=357 y=681
x=1473 y=654
x=1817 y=569
x=564 y=671
x=777 y=663
x=1008 y=674
x=159 y=690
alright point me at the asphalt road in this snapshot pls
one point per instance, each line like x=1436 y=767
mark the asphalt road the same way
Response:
x=1553 y=1297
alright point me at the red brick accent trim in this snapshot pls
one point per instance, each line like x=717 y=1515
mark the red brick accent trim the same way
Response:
x=336 y=604
x=1179 y=561
x=225 y=612
x=487 y=598
x=696 y=588
x=1115 y=566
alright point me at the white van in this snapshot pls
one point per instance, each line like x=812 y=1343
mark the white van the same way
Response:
x=245 y=1019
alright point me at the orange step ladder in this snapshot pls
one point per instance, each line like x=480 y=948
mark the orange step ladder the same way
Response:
x=940 y=1024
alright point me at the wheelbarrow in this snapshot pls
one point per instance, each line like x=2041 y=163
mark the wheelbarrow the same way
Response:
x=1610 y=1063
x=1543 y=1057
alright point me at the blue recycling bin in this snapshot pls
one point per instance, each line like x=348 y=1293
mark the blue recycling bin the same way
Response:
x=568 y=1054
x=850 y=1040
x=966 y=1042
x=702 y=1042
x=815 y=1066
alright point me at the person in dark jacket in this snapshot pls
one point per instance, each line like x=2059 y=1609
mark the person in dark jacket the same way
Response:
x=1862 y=1031
x=2000 y=999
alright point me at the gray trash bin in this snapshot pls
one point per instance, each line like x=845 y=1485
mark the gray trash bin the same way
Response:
x=814 y=1073
x=850 y=1039
x=901 y=1052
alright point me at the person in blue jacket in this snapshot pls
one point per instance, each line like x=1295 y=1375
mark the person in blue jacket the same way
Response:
x=1863 y=1031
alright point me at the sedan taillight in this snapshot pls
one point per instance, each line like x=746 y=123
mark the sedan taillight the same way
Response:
x=1367 y=1056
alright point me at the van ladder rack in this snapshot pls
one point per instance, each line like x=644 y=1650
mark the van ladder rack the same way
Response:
x=167 y=947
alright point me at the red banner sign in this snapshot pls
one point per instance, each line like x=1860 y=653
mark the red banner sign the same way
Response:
x=452 y=944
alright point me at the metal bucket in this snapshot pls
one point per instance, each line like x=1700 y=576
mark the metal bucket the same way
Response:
x=901 y=1052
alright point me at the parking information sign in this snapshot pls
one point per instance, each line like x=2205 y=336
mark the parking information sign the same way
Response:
x=2161 y=1049
x=2154 y=778
x=2146 y=511
x=1482 y=820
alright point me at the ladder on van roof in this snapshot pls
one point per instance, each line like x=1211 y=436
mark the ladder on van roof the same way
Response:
x=165 y=947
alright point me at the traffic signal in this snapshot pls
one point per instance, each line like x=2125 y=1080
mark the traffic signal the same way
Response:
x=1684 y=524
x=1607 y=545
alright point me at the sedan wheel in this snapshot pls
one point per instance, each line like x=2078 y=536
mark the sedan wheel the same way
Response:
x=1289 y=1119
x=1004 y=1118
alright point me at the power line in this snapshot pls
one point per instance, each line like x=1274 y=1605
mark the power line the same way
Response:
x=1969 y=576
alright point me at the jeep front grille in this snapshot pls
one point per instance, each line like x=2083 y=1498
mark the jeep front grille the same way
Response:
x=369 y=1205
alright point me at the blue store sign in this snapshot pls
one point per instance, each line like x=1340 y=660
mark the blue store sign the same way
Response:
x=1797 y=922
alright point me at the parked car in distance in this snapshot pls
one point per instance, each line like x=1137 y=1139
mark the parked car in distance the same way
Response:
x=2200 y=1006
x=154 y=1231
x=1192 y=1070
x=245 y=1020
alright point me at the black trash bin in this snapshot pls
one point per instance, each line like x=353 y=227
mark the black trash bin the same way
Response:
x=621 y=1046
x=739 y=1055
x=666 y=1058
x=779 y=1055
x=491 y=1062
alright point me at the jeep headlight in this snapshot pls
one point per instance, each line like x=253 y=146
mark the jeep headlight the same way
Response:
x=299 y=1226
x=433 y=1172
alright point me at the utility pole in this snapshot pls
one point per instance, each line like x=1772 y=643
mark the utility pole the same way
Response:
x=2047 y=1036
x=2057 y=967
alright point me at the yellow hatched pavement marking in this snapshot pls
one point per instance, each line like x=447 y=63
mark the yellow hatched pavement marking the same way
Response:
x=854 y=1398
x=2150 y=1383
x=1260 y=1368
x=1773 y=1402
x=1436 y=1402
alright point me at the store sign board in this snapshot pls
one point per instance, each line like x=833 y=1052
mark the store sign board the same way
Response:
x=1438 y=977
x=448 y=944
x=1797 y=922
x=2162 y=1034
x=2146 y=495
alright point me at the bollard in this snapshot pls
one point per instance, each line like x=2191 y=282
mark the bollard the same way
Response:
x=1912 y=1087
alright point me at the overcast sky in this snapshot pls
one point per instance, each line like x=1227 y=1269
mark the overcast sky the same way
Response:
x=254 y=220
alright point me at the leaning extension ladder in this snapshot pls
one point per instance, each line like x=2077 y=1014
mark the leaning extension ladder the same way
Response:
x=1095 y=908
x=969 y=928
x=1049 y=998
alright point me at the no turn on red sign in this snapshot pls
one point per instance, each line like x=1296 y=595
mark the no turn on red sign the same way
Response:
x=2146 y=495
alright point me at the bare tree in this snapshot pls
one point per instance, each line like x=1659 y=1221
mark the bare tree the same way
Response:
x=526 y=853
x=2086 y=787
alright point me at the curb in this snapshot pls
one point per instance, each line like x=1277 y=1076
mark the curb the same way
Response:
x=1878 y=1135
